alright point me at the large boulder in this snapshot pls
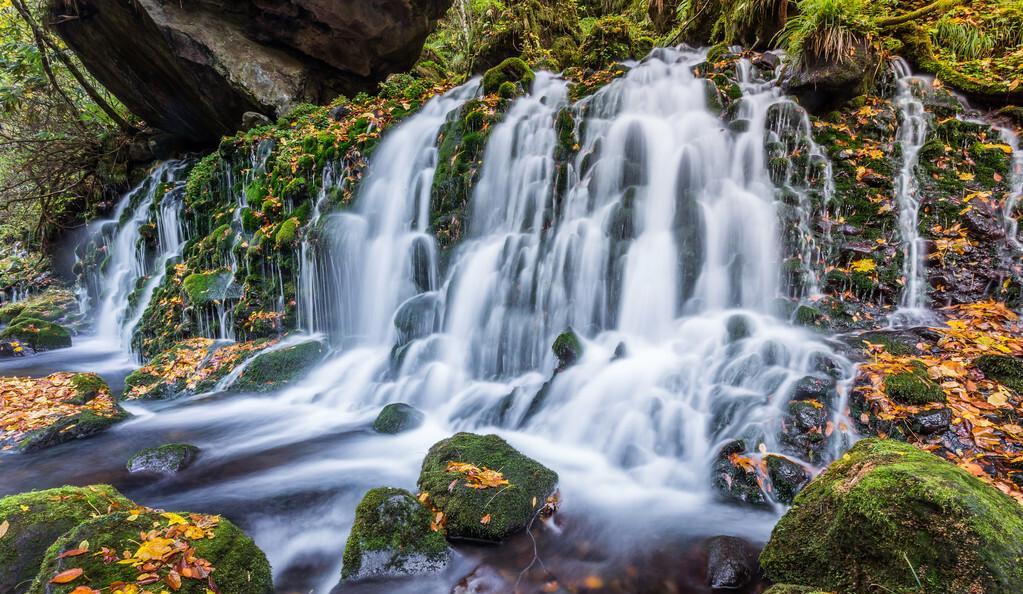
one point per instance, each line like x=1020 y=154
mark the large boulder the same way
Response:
x=485 y=489
x=822 y=85
x=195 y=67
x=393 y=536
x=185 y=553
x=29 y=522
x=170 y=458
x=888 y=514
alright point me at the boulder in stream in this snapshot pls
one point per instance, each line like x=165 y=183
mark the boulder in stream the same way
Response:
x=170 y=458
x=887 y=514
x=731 y=562
x=485 y=489
x=30 y=522
x=393 y=536
x=398 y=418
x=734 y=476
x=36 y=413
x=194 y=552
x=277 y=368
x=38 y=334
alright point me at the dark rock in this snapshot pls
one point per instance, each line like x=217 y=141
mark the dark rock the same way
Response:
x=11 y=347
x=731 y=564
x=815 y=388
x=34 y=520
x=983 y=221
x=769 y=60
x=929 y=422
x=886 y=507
x=732 y=481
x=277 y=368
x=252 y=120
x=787 y=477
x=822 y=86
x=166 y=459
x=339 y=113
x=568 y=348
x=803 y=429
x=738 y=327
x=194 y=68
x=392 y=536
x=464 y=507
x=398 y=418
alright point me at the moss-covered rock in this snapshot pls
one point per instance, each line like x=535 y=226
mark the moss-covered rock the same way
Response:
x=238 y=566
x=392 y=536
x=398 y=418
x=609 y=40
x=1003 y=369
x=169 y=458
x=34 y=520
x=206 y=287
x=913 y=387
x=568 y=348
x=513 y=70
x=38 y=334
x=494 y=512
x=276 y=368
x=887 y=514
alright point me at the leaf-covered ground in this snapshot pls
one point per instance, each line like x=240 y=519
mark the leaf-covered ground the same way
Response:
x=31 y=404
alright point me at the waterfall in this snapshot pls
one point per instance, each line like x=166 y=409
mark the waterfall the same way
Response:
x=1016 y=189
x=663 y=253
x=128 y=260
x=912 y=134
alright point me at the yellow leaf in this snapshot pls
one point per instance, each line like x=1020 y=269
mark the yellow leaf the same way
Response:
x=1002 y=147
x=864 y=265
x=175 y=519
x=966 y=176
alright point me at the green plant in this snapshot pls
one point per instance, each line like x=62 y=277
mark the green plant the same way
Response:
x=964 y=40
x=827 y=30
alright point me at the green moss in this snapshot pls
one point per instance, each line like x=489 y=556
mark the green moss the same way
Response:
x=510 y=507
x=239 y=565
x=887 y=514
x=168 y=458
x=1003 y=369
x=37 y=518
x=204 y=288
x=274 y=369
x=287 y=233
x=567 y=348
x=512 y=70
x=397 y=418
x=392 y=524
x=609 y=40
x=913 y=387
x=38 y=334
x=88 y=386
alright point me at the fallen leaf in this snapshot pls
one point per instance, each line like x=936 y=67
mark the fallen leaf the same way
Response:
x=67 y=576
x=4 y=527
x=485 y=519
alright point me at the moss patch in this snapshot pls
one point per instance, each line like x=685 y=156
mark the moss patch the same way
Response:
x=274 y=369
x=38 y=334
x=886 y=507
x=913 y=387
x=513 y=70
x=1006 y=370
x=510 y=507
x=38 y=518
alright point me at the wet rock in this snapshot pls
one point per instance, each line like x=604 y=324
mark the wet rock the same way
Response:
x=739 y=126
x=392 y=536
x=193 y=69
x=277 y=368
x=787 y=477
x=417 y=318
x=822 y=85
x=484 y=580
x=12 y=347
x=166 y=459
x=731 y=564
x=239 y=565
x=738 y=328
x=913 y=387
x=1003 y=369
x=908 y=508
x=568 y=349
x=58 y=408
x=252 y=120
x=34 y=520
x=983 y=221
x=930 y=422
x=475 y=513
x=818 y=389
x=733 y=481
x=398 y=418
x=769 y=60
x=39 y=335
x=803 y=428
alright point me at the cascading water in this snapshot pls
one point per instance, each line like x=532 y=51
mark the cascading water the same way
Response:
x=122 y=301
x=912 y=134
x=1016 y=188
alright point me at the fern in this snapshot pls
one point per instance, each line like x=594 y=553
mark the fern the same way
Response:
x=826 y=30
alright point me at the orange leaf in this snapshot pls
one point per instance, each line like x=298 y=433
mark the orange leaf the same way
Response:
x=67 y=576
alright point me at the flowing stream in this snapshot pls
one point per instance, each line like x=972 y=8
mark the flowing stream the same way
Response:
x=664 y=253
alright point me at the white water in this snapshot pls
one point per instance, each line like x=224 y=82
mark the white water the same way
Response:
x=1016 y=188
x=129 y=260
x=914 y=124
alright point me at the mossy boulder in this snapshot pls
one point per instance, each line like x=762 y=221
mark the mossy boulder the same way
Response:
x=609 y=40
x=887 y=514
x=494 y=512
x=913 y=387
x=398 y=418
x=568 y=348
x=277 y=368
x=513 y=70
x=170 y=458
x=1003 y=369
x=392 y=536
x=206 y=287
x=238 y=566
x=34 y=520
x=38 y=334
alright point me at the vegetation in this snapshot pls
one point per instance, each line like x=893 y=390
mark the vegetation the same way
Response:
x=827 y=30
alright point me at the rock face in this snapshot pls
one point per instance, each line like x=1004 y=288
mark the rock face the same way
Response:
x=455 y=479
x=195 y=67
x=391 y=537
x=887 y=514
x=34 y=520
